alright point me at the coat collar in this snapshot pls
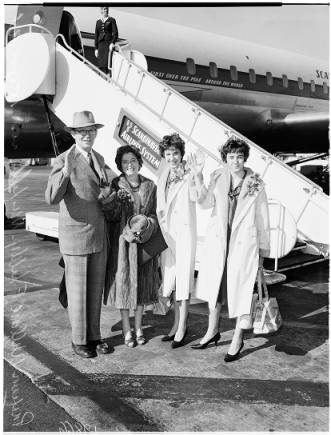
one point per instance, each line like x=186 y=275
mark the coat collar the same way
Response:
x=222 y=179
x=250 y=190
x=146 y=190
x=98 y=165
x=163 y=202
x=98 y=162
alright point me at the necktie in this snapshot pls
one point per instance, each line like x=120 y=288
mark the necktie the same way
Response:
x=90 y=162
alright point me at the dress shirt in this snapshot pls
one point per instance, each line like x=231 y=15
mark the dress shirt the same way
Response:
x=85 y=153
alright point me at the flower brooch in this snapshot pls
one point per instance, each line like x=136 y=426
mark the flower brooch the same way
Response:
x=124 y=196
x=254 y=184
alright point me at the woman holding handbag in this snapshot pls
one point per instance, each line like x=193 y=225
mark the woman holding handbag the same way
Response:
x=131 y=215
x=177 y=218
x=237 y=239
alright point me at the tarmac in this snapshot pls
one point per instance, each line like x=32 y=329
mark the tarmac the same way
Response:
x=279 y=383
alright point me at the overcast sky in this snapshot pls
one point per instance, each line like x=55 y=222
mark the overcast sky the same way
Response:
x=300 y=28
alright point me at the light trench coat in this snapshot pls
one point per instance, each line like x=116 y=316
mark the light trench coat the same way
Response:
x=177 y=218
x=250 y=233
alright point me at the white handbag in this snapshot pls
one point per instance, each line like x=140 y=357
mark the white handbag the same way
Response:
x=266 y=315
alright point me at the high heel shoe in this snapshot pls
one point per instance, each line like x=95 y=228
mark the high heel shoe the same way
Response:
x=180 y=343
x=129 y=340
x=216 y=338
x=141 y=339
x=229 y=358
x=168 y=338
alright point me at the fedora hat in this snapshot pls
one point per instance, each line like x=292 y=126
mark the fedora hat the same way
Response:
x=81 y=120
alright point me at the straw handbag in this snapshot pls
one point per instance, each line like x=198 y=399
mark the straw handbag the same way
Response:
x=266 y=315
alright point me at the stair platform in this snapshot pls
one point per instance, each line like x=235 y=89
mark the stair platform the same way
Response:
x=293 y=261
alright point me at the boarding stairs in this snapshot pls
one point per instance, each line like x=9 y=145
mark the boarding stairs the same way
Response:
x=139 y=109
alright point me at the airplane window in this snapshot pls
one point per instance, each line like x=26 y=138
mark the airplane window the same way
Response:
x=190 y=66
x=285 y=81
x=300 y=83
x=213 y=71
x=312 y=85
x=325 y=88
x=233 y=72
x=252 y=76
x=270 y=80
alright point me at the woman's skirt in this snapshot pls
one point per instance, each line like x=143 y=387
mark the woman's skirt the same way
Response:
x=103 y=51
x=148 y=282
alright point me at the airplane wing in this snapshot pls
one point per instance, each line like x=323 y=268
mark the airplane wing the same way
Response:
x=277 y=131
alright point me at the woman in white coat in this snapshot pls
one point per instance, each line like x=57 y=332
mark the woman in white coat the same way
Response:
x=176 y=212
x=237 y=239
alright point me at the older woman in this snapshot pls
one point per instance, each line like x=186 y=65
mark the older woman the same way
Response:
x=129 y=283
x=177 y=218
x=237 y=239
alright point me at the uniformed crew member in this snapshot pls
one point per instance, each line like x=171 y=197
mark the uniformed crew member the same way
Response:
x=106 y=34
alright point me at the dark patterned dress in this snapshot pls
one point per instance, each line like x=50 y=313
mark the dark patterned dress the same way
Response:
x=232 y=201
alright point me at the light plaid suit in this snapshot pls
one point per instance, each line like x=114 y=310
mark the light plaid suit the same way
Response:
x=82 y=240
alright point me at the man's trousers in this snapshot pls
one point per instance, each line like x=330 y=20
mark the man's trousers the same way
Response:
x=85 y=278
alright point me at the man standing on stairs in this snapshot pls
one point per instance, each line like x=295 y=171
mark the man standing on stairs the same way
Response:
x=106 y=35
x=78 y=182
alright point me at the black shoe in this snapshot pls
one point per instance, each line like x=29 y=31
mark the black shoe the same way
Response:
x=216 y=338
x=229 y=358
x=84 y=350
x=101 y=346
x=168 y=338
x=180 y=343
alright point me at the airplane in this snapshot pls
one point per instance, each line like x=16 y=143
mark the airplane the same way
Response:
x=28 y=122
x=276 y=98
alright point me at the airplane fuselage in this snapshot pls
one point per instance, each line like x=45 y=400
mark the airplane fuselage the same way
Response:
x=276 y=98
x=257 y=110
x=254 y=89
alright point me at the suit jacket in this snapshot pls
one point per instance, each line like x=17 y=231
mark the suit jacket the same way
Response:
x=105 y=31
x=81 y=219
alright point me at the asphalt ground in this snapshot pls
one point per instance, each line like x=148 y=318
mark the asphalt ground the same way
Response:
x=279 y=383
x=27 y=409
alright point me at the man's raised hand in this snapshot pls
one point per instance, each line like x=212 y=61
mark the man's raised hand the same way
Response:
x=69 y=161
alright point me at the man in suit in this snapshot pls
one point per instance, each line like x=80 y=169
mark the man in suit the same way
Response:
x=78 y=182
x=106 y=35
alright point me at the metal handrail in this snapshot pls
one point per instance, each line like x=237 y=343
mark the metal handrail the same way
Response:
x=234 y=132
x=131 y=63
x=311 y=193
x=278 y=228
x=82 y=58
x=116 y=47
x=29 y=26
